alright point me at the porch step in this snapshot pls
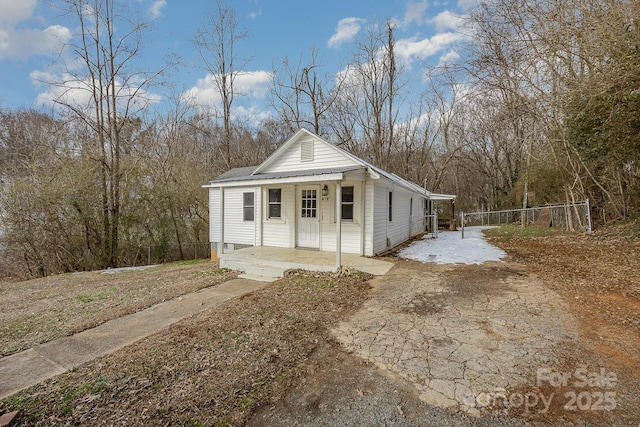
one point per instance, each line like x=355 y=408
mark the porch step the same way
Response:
x=258 y=278
x=253 y=269
x=235 y=262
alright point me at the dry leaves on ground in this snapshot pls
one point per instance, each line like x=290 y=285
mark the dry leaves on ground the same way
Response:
x=212 y=369
x=598 y=276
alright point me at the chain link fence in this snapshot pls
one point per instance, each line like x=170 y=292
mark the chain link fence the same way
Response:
x=571 y=217
x=157 y=254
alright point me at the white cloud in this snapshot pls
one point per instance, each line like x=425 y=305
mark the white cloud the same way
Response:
x=467 y=4
x=252 y=84
x=345 y=31
x=16 y=11
x=68 y=89
x=22 y=43
x=415 y=12
x=449 y=57
x=254 y=15
x=156 y=8
x=413 y=48
x=252 y=115
x=447 y=21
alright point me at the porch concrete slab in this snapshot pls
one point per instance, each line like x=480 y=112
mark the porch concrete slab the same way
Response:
x=30 y=367
x=370 y=265
x=305 y=259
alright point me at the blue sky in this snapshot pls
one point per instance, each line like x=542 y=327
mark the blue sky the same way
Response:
x=32 y=35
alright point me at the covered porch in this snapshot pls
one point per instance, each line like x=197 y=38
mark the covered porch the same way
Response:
x=269 y=263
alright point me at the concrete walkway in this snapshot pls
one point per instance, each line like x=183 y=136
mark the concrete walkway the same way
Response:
x=25 y=369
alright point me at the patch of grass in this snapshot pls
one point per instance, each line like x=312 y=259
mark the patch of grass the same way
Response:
x=517 y=231
x=189 y=262
x=39 y=310
x=214 y=368
x=96 y=295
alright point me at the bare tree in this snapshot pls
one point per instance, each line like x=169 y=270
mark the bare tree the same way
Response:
x=371 y=92
x=115 y=87
x=216 y=44
x=300 y=96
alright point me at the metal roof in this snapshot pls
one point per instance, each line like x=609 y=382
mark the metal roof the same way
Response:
x=236 y=173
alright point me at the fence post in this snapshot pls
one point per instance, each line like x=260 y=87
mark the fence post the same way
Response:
x=588 y=217
x=149 y=254
x=462 y=221
x=195 y=251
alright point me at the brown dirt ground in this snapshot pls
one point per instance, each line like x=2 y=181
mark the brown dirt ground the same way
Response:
x=268 y=358
x=599 y=277
x=214 y=368
x=41 y=310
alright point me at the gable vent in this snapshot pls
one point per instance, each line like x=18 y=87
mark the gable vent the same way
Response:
x=306 y=150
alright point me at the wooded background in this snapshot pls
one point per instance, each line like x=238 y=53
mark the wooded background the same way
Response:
x=543 y=106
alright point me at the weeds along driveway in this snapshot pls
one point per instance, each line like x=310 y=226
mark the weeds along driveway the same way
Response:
x=460 y=333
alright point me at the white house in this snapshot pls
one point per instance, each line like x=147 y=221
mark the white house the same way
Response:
x=311 y=194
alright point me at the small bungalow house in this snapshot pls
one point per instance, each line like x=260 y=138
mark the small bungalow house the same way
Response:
x=311 y=194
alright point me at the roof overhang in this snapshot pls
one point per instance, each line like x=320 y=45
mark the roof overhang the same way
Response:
x=292 y=177
x=438 y=197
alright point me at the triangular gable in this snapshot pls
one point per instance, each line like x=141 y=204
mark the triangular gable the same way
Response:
x=306 y=151
x=293 y=155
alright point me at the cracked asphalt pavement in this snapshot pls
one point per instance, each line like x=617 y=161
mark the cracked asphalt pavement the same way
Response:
x=460 y=333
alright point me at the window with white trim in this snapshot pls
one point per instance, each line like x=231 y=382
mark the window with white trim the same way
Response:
x=275 y=203
x=248 y=206
x=347 y=203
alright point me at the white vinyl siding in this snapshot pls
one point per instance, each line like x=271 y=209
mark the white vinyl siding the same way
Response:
x=281 y=232
x=235 y=229
x=369 y=218
x=324 y=156
x=350 y=241
x=380 y=212
x=397 y=230
x=214 y=215
x=417 y=216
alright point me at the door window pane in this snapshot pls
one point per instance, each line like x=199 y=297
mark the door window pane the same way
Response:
x=308 y=204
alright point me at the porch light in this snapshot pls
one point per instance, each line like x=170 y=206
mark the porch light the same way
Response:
x=325 y=190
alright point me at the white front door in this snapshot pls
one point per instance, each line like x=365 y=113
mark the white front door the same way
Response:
x=308 y=217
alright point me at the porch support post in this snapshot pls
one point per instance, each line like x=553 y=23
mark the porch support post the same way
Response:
x=452 y=218
x=221 y=244
x=338 y=225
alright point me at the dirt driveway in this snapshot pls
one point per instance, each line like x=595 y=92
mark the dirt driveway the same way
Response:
x=487 y=344
x=460 y=334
